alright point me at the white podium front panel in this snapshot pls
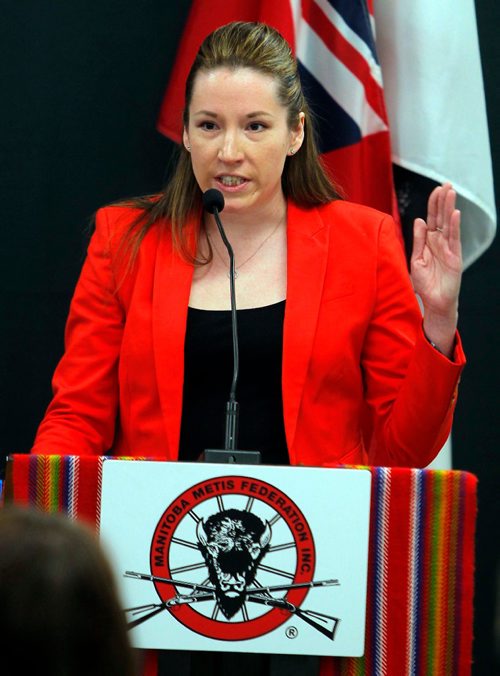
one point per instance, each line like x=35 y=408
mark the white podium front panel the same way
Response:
x=239 y=558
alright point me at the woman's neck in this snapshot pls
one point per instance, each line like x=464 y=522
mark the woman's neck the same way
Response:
x=248 y=226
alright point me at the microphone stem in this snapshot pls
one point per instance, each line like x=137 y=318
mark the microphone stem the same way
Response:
x=231 y=435
x=234 y=317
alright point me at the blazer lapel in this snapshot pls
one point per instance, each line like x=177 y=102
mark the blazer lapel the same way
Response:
x=172 y=285
x=307 y=247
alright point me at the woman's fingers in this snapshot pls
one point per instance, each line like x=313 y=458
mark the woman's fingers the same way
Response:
x=448 y=209
x=432 y=208
x=440 y=206
x=454 y=233
x=419 y=238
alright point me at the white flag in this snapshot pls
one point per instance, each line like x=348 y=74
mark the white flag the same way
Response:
x=434 y=95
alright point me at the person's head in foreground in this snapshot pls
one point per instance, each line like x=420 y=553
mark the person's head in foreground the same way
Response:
x=59 y=610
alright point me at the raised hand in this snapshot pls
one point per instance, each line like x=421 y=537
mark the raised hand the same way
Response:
x=436 y=266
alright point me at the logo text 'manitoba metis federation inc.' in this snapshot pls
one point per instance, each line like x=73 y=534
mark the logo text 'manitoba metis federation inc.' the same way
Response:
x=244 y=530
x=224 y=486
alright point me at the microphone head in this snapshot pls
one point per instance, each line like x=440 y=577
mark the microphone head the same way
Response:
x=213 y=200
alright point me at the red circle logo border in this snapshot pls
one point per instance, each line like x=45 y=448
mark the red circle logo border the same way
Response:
x=282 y=504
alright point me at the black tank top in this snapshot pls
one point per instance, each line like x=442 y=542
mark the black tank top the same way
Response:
x=208 y=373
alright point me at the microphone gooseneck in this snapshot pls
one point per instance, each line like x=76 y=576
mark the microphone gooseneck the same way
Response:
x=213 y=202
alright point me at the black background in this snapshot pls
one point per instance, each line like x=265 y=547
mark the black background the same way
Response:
x=81 y=85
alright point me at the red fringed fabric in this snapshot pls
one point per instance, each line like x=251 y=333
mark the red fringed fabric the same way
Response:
x=421 y=560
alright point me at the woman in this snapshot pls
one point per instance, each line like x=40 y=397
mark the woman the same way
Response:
x=337 y=365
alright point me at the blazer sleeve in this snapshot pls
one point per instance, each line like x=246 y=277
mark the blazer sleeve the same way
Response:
x=410 y=388
x=81 y=417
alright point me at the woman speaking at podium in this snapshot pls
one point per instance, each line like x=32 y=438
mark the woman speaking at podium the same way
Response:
x=337 y=363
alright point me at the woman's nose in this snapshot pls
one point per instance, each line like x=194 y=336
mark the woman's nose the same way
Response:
x=230 y=149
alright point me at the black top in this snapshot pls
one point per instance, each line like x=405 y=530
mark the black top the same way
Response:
x=208 y=373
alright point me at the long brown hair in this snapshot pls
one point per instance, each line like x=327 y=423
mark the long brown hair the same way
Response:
x=59 y=608
x=304 y=180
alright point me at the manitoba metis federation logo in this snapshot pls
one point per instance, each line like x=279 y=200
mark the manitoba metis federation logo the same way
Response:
x=233 y=558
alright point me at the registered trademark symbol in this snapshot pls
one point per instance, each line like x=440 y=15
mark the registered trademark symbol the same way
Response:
x=292 y=632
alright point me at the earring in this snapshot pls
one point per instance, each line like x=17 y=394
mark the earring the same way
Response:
x=188 y=148
x=291 y=151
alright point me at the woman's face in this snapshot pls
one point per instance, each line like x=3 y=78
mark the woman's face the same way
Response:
x=239 y=138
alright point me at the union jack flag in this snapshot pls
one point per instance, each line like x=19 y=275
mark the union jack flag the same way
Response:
x=333 y=41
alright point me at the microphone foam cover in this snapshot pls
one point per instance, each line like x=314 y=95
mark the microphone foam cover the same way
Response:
x=213 y=199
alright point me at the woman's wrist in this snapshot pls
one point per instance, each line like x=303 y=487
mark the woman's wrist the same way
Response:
x=440 y=331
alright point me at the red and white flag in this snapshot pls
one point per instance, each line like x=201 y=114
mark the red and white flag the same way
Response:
x=334 y=44
x=429 y=58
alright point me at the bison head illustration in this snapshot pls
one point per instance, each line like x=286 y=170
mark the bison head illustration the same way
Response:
x=233 y=542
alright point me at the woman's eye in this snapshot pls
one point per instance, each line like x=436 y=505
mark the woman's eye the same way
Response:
x=208 y=126
x=256 y=126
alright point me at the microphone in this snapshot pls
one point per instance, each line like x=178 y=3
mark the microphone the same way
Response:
x=213 y=202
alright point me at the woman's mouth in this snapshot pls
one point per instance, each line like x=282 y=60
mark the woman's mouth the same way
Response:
x=229 y=181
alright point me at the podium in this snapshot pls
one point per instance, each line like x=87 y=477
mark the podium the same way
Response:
x=420 y=567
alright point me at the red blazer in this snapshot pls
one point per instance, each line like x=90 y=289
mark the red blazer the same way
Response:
x=360 y=381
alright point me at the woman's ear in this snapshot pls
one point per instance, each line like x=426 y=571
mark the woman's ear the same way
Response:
x=185 y=140
x=297 y=135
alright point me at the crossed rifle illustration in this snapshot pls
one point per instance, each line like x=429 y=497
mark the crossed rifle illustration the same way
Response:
x=257 y=594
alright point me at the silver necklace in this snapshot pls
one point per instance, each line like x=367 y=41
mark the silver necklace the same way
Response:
x=238 y=268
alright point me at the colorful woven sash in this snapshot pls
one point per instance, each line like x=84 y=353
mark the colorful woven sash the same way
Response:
x=421 y=565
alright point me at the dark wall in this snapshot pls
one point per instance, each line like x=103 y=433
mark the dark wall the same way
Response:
x=82 y=83
x=476 y=433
